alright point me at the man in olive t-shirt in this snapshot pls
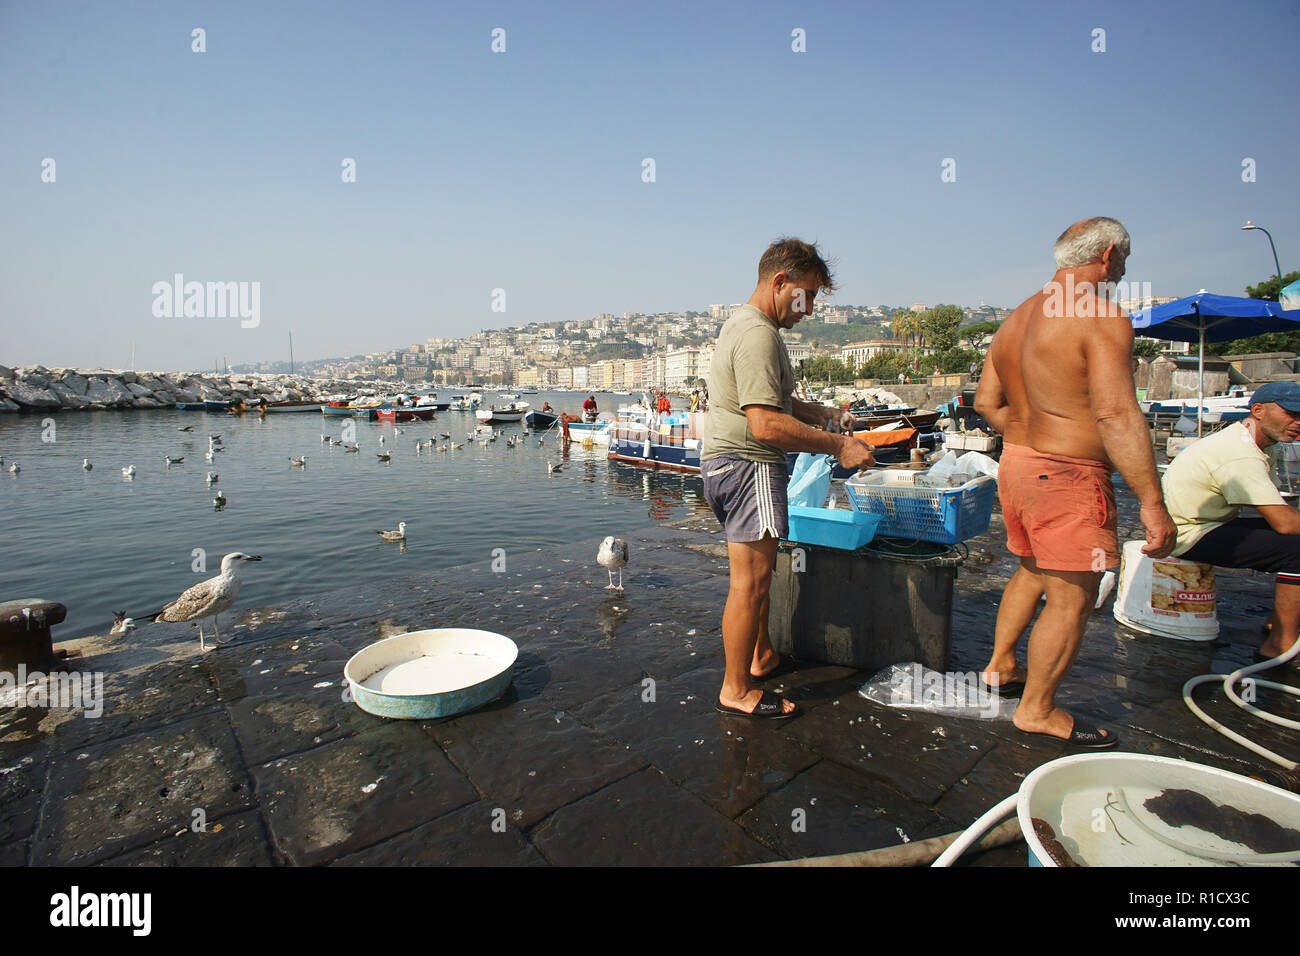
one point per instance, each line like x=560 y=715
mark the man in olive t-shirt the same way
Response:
x=753 y=420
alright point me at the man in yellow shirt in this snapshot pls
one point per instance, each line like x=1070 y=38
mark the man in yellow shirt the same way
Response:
x=1210 y=481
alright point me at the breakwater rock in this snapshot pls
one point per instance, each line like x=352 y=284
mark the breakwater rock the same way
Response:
x=35 y=388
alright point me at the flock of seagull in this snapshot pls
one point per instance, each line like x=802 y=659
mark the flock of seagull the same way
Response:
x=208 y=599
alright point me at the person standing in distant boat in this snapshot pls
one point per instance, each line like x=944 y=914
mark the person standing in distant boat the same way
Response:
x=753 y=421
x=1058 y=385
x=589 y=410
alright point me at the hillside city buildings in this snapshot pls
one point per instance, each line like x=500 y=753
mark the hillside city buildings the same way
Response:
x=628 y=353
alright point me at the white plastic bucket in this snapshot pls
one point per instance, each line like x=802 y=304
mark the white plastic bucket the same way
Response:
x=1168 y=596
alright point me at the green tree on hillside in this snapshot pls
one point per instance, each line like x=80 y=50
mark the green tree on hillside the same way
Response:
x=976 y=335
x=1269 y=289
x=939 y=326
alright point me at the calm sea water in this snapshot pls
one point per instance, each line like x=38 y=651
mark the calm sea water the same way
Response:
x=96 y=541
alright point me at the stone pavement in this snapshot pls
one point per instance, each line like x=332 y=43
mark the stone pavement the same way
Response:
x=574 y=765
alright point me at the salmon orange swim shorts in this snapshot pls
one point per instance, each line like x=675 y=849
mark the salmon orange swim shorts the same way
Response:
x=1058 y=510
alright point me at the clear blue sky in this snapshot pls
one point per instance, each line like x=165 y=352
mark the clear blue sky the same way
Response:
x=522 y=170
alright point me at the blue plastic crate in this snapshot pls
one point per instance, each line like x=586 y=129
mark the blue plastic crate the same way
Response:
x=831 y=527
x=941 y=515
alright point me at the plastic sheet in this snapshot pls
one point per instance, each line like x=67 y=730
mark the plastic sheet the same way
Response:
x=913 y=686
x=810 y=482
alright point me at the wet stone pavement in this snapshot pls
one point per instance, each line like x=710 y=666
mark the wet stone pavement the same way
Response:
x=250 y=755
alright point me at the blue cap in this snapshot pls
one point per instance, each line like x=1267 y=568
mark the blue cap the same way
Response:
x=1286 y=394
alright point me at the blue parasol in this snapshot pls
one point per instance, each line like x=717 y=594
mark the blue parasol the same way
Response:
x=1215 y=318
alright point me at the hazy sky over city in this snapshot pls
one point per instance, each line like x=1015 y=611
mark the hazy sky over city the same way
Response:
x=523 y=170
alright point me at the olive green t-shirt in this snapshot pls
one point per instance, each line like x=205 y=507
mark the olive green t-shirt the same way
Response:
x=750 y=367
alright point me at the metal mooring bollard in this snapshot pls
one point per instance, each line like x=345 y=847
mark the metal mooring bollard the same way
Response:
x=25 y=633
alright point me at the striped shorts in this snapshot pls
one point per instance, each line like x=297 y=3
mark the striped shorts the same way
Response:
x=748 y=497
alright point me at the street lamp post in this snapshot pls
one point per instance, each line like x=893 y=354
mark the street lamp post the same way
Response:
x=1251 y=225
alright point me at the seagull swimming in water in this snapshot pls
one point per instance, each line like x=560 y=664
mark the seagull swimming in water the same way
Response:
x=613 y=554
x=169 y=460
x=347 y=447
x=212 y=477
x=186 y=428
x=208 y=598
x=14 y=469
x=215 y=440
x=298 y=462
x=454 y=447
x=220 y=500
x=384 y=455
x=121 y=624
x=398 y=535
x=553 y=468
x=128 y=471
x=86 y=465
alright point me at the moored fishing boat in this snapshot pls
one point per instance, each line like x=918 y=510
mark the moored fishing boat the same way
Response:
x=514 y=412
x=540 y=419
x=671 y=441
x=216 y=406
x=298 y=406
x=405 y=413
x=190 y=406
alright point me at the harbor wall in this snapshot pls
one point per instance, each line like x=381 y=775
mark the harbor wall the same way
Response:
x=35 y=388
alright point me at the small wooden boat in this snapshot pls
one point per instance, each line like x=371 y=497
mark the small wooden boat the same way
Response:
x=190 y=406
x=911 y=418
x=514 y=412
x=297 y=406
x=540 y=419
x=216 y=406
x=406 y=413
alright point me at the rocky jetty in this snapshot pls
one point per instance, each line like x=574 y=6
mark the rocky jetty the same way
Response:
x=35 y=388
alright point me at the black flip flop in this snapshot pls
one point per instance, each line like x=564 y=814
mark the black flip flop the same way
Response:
x=1293 y=663
x=1010 y=690
x=768 y=708
x=784 y=667
x=1083 y=734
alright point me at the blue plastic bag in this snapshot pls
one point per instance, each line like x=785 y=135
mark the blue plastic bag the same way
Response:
x=810 y=482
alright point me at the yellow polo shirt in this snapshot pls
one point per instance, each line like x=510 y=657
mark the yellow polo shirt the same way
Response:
x=1210 y=480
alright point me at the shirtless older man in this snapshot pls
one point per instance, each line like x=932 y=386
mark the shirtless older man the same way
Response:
x=1058 y=385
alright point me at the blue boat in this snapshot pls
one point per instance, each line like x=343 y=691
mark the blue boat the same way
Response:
x=538 y=419
x=216 y=406
x=672 y=442
x=189 y=406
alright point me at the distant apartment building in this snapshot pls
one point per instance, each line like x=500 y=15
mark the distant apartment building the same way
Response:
x=855 y=353
x=917 y=306
x=682 y=367
x=389 y=371
x=798 y=353
x=718 y=311
x=529 y=377
x=579 y=376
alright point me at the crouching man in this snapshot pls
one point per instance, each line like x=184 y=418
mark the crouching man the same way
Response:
x=1211 y=480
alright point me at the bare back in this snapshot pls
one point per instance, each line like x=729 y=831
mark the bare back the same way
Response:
x=1041 y=360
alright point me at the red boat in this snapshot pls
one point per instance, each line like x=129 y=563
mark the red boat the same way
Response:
x=406 y=413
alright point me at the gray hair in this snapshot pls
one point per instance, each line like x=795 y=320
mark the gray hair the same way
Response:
x=1085 y=241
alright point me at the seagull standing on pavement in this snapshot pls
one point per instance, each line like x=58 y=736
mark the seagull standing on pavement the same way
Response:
x=613 y=554
x=208 y=598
